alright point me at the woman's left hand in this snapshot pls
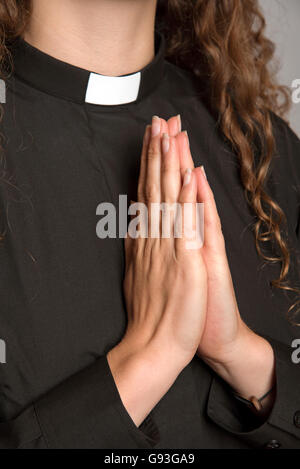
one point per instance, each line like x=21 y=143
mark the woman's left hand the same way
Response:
x=242 y=358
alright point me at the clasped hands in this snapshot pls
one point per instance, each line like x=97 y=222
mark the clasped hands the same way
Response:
x=181 y=302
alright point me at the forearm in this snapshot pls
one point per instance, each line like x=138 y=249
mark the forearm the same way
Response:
x=142 y=377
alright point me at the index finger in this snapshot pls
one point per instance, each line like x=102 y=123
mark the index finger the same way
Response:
x=152 y=189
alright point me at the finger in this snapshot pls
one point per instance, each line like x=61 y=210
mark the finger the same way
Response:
x=213 y=236
x=164 y=126
x=188 y=193
x=185 y=156
x=186 y=219
x=143 y=164
x=152 y=189
x=174 y=125
x=170 y=170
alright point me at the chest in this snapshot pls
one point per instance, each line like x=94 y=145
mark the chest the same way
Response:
x=66 y=280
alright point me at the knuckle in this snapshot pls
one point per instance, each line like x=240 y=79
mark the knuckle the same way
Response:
x=214 y=224
x=151 y=191
x=171 y=172
x=153 y=152
x=168 y=166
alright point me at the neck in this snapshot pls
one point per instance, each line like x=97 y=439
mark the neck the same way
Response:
x=110 y=37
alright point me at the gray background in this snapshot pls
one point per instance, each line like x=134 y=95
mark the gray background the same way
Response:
x=283 y=19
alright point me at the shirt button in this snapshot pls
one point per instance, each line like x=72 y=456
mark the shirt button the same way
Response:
x=297 y=419
x=273 y=444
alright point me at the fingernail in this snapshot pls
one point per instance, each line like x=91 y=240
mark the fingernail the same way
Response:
x=179 y=122
x=187 y=136
x=203 y=171
x=165 y=143
x=187 y=177
x=155 y=126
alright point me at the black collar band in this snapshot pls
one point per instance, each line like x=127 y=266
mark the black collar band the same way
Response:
x=61 y=79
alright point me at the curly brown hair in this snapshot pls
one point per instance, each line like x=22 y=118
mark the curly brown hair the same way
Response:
x=223 y=43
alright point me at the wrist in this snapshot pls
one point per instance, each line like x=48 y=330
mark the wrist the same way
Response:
x=146 y=357
x=142 y=375
x=249 y=366
x=153 y=353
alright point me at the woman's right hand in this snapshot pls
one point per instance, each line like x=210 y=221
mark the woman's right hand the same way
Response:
x=165 y=285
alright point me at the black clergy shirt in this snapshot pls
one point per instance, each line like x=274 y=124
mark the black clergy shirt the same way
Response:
x=65 y=151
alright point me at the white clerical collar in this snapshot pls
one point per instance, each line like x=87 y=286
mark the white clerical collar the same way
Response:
x=107 y=90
